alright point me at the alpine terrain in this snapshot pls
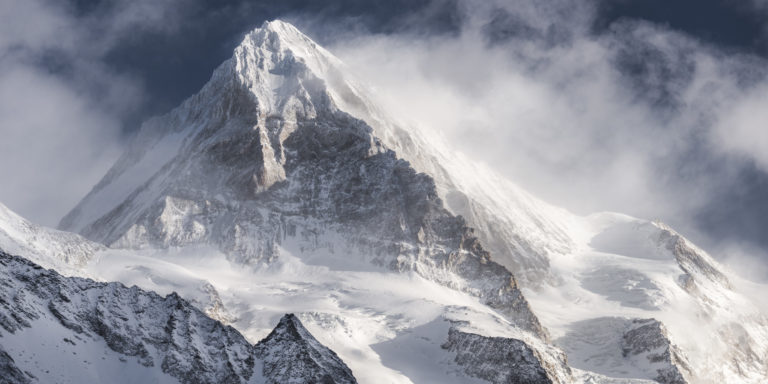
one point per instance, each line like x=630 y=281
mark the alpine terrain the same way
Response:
x=282 y=194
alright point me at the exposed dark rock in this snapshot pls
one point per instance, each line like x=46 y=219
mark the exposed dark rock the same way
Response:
x=497 y=360
x=9 y=373
x=650 y=338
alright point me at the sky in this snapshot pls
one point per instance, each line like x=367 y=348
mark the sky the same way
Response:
x=658 y=109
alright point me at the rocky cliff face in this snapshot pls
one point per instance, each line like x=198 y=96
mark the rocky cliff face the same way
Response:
x=649 y=338
x=156 y=335
x=498 y=360
x=11 y=374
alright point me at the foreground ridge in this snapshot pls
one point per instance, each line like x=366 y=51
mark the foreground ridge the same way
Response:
x=80 y=323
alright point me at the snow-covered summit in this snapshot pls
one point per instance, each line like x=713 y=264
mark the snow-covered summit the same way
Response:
x=277 y=77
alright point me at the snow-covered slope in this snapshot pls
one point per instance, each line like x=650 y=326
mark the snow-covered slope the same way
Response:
x=73 y=330
x=282 y=187
x=388 y=327
x=628 y=270
x=64 y=251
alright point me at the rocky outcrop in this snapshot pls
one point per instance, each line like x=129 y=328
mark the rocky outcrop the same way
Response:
x=290 y=354
x=617 y=347
x=9 y=372
x=693 y=261
x=649 y=338
x=499 y=360
x=165 y=332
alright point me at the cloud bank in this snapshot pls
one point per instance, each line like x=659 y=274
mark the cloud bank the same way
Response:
x=61 y=106
x=637 y=118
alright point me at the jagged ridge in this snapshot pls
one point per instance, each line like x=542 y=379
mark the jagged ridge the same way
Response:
x=157 y=331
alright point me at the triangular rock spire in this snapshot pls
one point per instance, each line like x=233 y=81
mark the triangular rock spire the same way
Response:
x=290 y=352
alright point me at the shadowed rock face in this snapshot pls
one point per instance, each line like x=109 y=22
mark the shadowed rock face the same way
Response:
x=157 y=331
x=497 y=360
x=649 y=337
x=186 y=344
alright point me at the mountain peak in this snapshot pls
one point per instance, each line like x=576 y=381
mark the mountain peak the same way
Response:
x=281 y=28
x=279 y=49
x=290 y=351
x=276 y=77
x=278 y=36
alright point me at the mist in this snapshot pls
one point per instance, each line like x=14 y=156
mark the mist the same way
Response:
x=638 y=119
x=62 y=107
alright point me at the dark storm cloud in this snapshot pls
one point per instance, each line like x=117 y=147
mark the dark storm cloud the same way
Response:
x=736 y=25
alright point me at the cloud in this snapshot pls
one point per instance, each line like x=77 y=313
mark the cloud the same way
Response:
x=638 y=119
x=61 y=104
x=743 y=127
x=55 y=143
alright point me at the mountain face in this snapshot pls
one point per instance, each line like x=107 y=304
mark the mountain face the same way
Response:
x=263 y=153
x=282 y=187
x=59 y=329
x=263 y=157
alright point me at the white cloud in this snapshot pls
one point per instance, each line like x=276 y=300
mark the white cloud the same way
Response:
x=589 y=122
x=743 y=127
x=55 y=144
x=61 y=106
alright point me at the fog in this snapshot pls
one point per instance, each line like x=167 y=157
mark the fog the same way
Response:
x=639 y=119
x=62 y=107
